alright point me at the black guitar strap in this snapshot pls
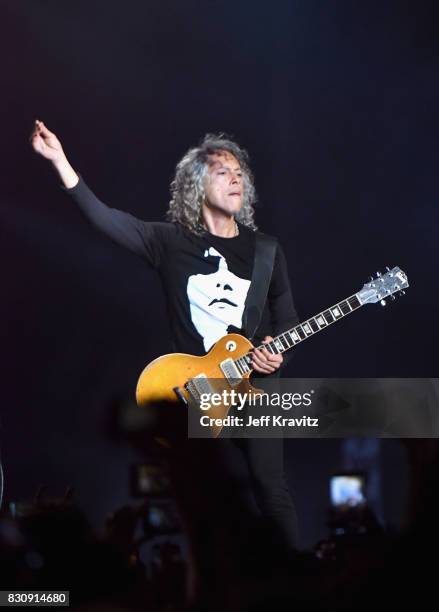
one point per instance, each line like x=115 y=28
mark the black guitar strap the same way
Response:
x=265 y=250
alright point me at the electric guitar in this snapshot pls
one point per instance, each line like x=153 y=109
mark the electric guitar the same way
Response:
x=178 y=378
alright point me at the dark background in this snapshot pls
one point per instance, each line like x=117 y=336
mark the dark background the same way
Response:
x=336 y=103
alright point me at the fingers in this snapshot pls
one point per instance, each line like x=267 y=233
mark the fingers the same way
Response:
x=269 y=357
x=40 y=131
x=45 y=142
x=39 y=125
x=35 y=134
x=276 y=358
x=35 y=131
x=45 y=133
x=264 y=361
x=261 y=365
x=36 y=141
x=272 y=358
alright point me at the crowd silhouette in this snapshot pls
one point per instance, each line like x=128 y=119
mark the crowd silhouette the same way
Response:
x=234 y=562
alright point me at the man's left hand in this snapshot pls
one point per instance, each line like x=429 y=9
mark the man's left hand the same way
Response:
x=265 y=362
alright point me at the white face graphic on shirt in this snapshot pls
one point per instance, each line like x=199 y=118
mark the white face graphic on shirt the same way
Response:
x=216 y=300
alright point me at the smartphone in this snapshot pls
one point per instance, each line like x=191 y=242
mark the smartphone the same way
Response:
x=347 y=491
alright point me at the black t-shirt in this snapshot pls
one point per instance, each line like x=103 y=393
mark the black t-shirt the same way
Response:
x=205 y=278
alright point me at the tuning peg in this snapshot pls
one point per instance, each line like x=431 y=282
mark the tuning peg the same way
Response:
x=393 y=298
x=387 y=268
x=378 y=274
x=402 y=292
x=383 y=302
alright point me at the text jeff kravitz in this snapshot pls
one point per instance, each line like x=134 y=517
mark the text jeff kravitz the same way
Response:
x=263 y=421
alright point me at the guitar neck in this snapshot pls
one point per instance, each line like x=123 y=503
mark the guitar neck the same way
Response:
x=285 y=341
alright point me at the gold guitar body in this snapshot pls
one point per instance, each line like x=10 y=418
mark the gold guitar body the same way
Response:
x=161 y=378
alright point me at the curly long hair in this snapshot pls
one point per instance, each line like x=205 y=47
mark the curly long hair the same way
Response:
x=187 y=188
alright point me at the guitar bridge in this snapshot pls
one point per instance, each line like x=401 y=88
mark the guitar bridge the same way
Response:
x=199 y=385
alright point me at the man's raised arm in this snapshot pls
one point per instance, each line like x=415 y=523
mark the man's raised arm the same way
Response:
x=144 y=239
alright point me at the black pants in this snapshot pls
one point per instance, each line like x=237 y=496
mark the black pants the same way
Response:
x=263 y=458
x=264 y=461
x=236 y=506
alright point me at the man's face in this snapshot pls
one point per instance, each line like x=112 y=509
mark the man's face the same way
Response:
x=223 y=184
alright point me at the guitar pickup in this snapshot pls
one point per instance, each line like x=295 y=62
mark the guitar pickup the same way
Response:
x=231 y=372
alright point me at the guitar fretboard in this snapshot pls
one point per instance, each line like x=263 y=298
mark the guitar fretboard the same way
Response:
x=301 y=332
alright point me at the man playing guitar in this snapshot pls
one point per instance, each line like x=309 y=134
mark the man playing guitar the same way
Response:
x=204 y=255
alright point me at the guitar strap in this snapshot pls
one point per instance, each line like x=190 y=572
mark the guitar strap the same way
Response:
x=265 y=250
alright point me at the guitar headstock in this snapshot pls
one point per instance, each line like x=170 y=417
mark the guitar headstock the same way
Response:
x=383 y=286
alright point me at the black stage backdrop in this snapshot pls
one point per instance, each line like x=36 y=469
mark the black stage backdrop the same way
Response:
x=336 y=103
